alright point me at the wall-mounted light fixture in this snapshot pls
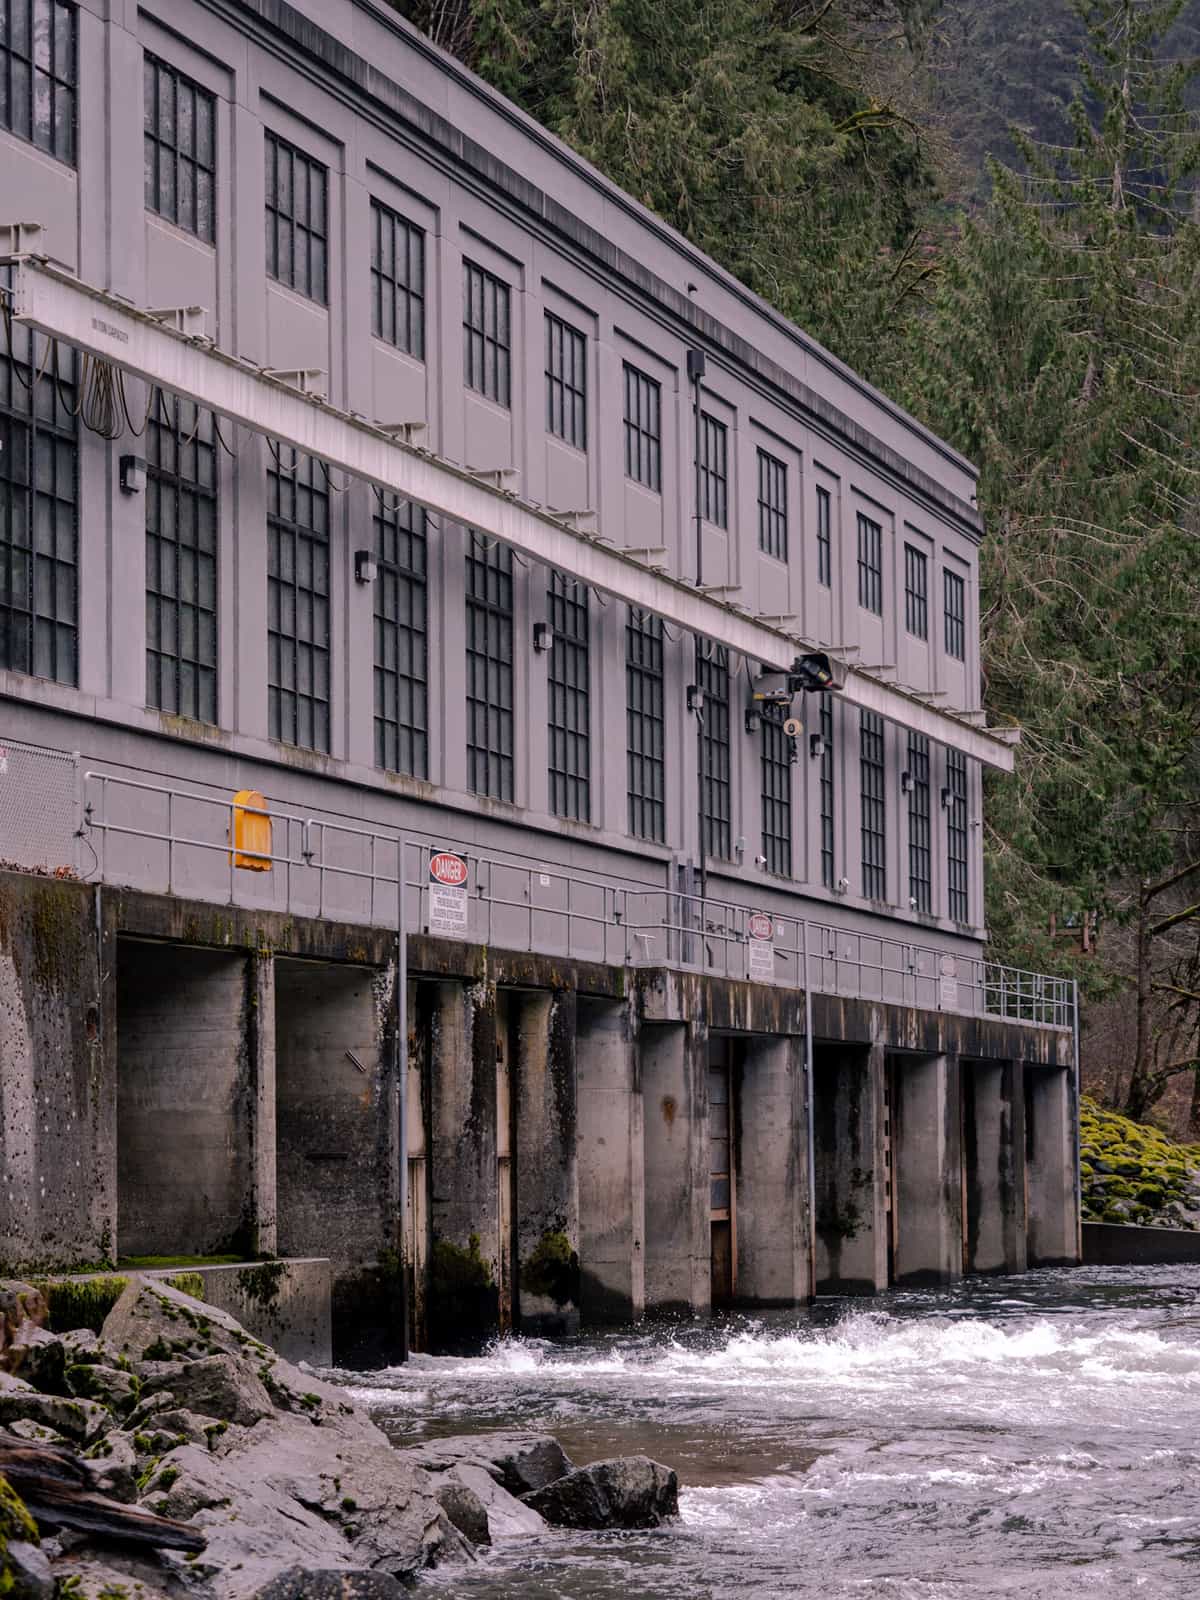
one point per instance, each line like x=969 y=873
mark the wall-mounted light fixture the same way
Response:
x=365 y=569
x=906 y=782
x=543 y=637
x=695 y=697
x=753 y=719
x=816 y=746
x=947 y=796
x=843 y=885
x=133 y=475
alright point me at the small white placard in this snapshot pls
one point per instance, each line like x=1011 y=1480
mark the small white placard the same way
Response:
x=447 y=908
x=761 y=963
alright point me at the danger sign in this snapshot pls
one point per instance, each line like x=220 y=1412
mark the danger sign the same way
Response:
x=760 y=926
x=448 y=876
x=762 y=947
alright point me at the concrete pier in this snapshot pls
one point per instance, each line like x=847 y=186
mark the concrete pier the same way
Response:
x=612 y=1173
x=993 y=1123
x=678 y=1244
x=1051 y=1142
x=547 y=1177
x=927 y=1169
x=851 y=1242
x=771 y=1191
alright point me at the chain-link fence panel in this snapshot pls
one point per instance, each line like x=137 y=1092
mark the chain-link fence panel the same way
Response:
x=39 y=804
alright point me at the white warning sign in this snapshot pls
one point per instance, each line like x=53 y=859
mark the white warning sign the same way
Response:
x=761 y=932
x=449 y=876
x=948 y=984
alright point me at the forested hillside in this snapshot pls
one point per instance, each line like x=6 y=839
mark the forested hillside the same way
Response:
x=988 y=207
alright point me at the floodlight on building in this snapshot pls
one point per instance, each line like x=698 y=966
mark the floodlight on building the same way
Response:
x=543 y=637
x=753 y=719
x=906 y=782
x=133 y=475
x=817 y=671
x=816 y=746
x=365 y=569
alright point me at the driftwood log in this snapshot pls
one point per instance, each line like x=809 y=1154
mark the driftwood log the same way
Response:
x=56 y=1487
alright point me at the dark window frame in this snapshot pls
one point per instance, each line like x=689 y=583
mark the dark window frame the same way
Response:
x=870 y=564
x=39 y=506
x=643 y=428
x=645 y=726
x=27 y=84
x=824 y=537
x=487 y=334
x=714 y=470
x=179 y=183
x=826 y=781
x=299 y=699
x=401 y=621
x=873 y=798
x=954 y=597
x=958 y=886
x=717 y=752
x=566 y=382
x=916 y=592
x=775 y=767
x=491 y=717
x=772 y=505
x=397 y=281
x=303 y=265
x=920 y=824
x=569 y=694
x=182 y=553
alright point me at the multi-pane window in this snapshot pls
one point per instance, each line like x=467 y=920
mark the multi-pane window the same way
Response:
x=643 y=429
x=920 y=889
x=956 y=616
x=39 y=519
x=870 y=565
x=824 y=538
x=645 y=726
x=181 y=559
x=401 y=637
x=715 y=774
x=490 y=720
x=297 y=599
x=566 y=382
x=714 y=471
x=916 y=592
x=570 y=732
x=776 y=793
x=397 y=281
x=826 y=783
x=874 y=807
x=772 y=506
x=179 y=144
x=956 y=836
x=297 y=219
x=487 y=335
x=38 y=73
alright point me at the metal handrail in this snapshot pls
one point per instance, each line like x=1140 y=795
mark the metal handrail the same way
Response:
x=573 y=914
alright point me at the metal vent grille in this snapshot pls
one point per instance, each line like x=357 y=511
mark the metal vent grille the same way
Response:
x=39 y=806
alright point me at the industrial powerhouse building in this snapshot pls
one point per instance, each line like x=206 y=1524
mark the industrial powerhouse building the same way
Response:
x=414 y=557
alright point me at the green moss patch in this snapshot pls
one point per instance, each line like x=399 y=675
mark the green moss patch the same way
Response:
x=1132 y=1173
x=187 y=1283
x=81 y=1302
x=552 y=1270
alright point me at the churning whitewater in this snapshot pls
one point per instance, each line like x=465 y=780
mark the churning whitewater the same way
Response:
x=1037 y=1436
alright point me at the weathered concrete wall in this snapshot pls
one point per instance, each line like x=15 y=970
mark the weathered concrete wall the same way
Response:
x=57 y=1138
x=287 y=1304
x=927 y=1168
x=675 y=1087
x=1051 y=1145
x=611 y=1154
x=463 y=1196
x=547 y=1173
x=993 y=1125
x=337 y=1138
x=1111 y=1244
x=771 y=1199
x=850 y=1174
x=186 y=1095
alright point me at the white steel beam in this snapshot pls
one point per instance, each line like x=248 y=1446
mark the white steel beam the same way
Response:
x=50 y=299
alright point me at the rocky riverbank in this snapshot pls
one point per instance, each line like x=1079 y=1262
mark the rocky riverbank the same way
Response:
x=175 y=1455
x=1132 y=1173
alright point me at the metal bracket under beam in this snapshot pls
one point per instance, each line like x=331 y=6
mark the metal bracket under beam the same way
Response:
x=57 y=304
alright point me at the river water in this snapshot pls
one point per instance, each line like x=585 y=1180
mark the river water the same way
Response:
x=1033 y=1436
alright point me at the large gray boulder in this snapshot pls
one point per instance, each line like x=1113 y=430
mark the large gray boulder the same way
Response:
x=81 y=1420
x=519 y=1462
x=628 y=1492
x=154 y=1322
x=307 y=1583
x=224 y=1387
x=21 y=1307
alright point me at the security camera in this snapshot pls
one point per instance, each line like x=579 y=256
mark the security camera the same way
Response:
x=760 y=861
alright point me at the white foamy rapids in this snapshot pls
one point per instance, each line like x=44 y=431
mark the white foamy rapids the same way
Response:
x=1037 y=1370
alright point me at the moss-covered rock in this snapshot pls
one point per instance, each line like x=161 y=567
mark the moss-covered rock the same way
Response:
x=1132 y=1173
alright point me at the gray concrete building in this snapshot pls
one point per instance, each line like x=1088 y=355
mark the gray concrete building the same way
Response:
x=379 y=483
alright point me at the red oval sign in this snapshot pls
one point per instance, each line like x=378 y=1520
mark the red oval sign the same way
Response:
x=760 y=926
x=445 y=867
